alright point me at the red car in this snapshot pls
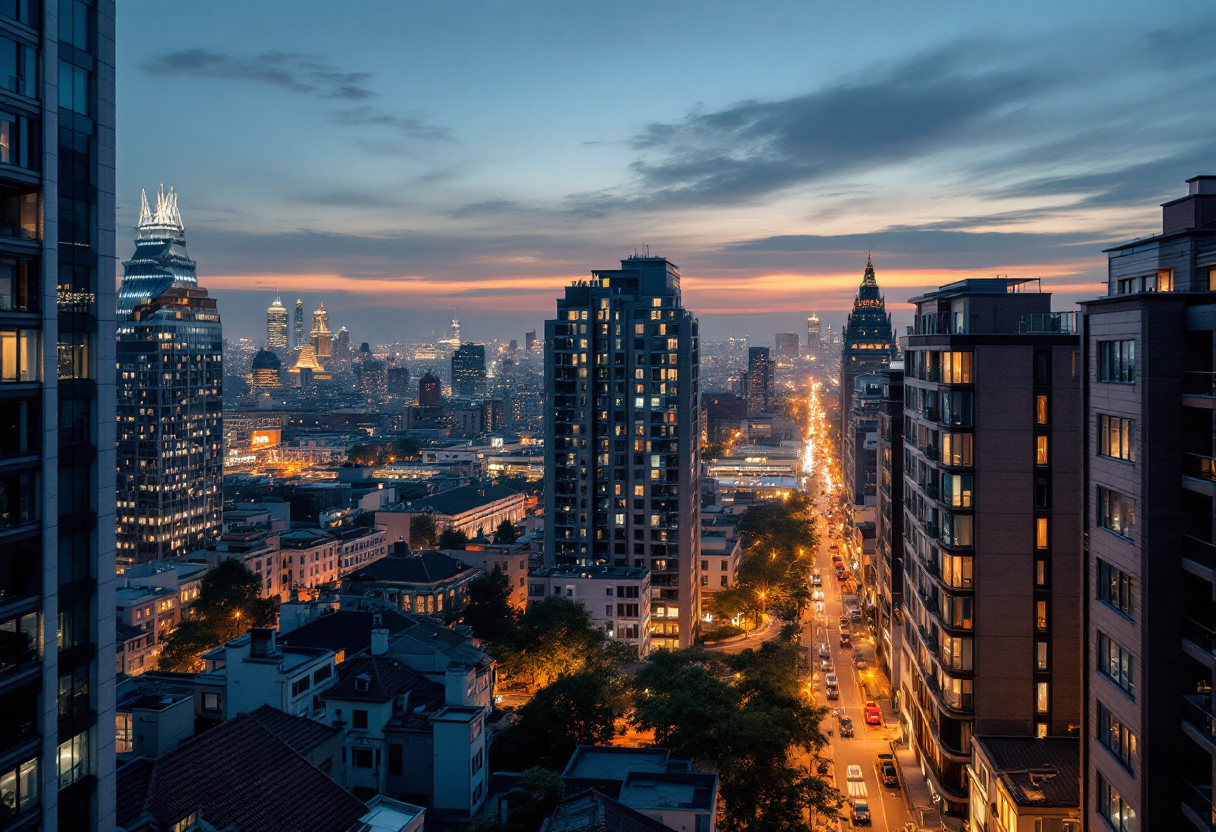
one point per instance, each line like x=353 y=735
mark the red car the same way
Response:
x=873 y=713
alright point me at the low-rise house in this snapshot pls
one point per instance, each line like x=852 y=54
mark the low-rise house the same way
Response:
x=258 y=549
x=426 y=583
x=477 y=510
x=402 y=737
x=153 y=610
x=590 y=811
x=721 y=556
x=1025 y=784
x=135 y=650
x=182 y=576
x=315 y=741
x=511 y=558
x=359 y=547
x=252 y=670
x=310 y=559
x=152 y=718
x=617 y=597
x=241 y=777
x=648 y=781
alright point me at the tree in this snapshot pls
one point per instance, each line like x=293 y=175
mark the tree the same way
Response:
x=580 y=709
x=229 y=603
x=452 y=539
x=532 y=799
x=404 y=448
x=422 y=530
x=554 y=638
x=505 y=533
x=488 y=610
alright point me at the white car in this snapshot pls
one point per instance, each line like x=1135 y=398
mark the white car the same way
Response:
x=817 y=595
x=831 y=681
x=853 y=773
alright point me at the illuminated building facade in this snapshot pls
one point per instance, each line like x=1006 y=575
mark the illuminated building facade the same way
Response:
x=57 y=453
x=170 y=402
x=322 y=339
x=789 y=348
x=758 y=380
x=622 y=438
x=297 y=326
x=812 y=334
x=266 y=371
x=276 y=326
x=430 y=391
x=469 y=372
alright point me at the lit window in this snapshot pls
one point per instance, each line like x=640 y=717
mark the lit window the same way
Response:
x=1040 y=451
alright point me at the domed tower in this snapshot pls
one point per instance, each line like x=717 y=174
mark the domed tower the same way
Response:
x=266 y=371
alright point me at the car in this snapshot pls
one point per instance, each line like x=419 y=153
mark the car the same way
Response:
x=832 y=547
x=833 y=693
x=825 y=665
x=854 y=614
x=831 y=681
x=824 y=652
x=853 y=773
x=816 y=580
x=846 y=727
x=817 y=595
x=859 y=662
x=887 y=774
x=861 y=813
x=844 y=640
x=837 y=559
x=873 y=713
x=841 y=576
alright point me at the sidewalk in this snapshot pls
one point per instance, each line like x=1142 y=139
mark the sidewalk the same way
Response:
x=920 y=799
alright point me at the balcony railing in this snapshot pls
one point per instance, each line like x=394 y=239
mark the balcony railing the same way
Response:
x=1199 y=635
x=1199 y=466
x=932 y=452
x=1049 y=323
x=1197 y=383
x=1197 y=711
x=930 y=489
x=1199 y=800
x=932 y=414
x=1199 y=551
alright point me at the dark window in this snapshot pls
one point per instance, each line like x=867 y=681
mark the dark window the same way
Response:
x=19 y=141
x=396 y=758
x=23 y=11
x=75 y=24
x=74 y=692
x=21 y=569
x=1117 y=361
x=19 y=423
x=1116 y=736
x=1115 y=587
x=361 y=757
x=1116 y=663
x=359 y=720
x=20 y=214
x=18 y=68
x=211 y=703
x=1116 y=512
x=18 y=277
x=20 y=723
x=19 y=499
x=19 y=641
x=74 y=88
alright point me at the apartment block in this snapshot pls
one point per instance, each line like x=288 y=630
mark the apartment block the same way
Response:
x=616 y=597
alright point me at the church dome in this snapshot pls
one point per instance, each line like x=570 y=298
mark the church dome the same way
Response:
x=266 y=360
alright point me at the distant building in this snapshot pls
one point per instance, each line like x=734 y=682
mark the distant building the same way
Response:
x=511 y=558
x=276 y=326
x=813 y=343
x=426 y=583
x=322 y=339
x=724 y=414
x=469 y=371
x=789 y=348
x=758 y=380
x=721 y=556
x=253 y=670
x=647 y=781
x=298 y=340
x=170 y=396
x=476 y=510
x=265 y=372
x=869 y=340
x=616 y=597
x=889 y=526
x=430 y=391
x=399 y=381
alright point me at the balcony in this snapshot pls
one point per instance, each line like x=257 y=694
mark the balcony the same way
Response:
x=1197 y=383
x=930 y=489
x=1197 y=713
x=1199 y=636
x=1199 y=551
x=1199 y=466
x=1197 y=805
x=932 y=452
x=932 y=414
x=1050 y=323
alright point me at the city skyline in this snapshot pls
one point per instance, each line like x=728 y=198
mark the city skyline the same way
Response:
x=956 y=145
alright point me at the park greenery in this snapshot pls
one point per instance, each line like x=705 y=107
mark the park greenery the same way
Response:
x=383 y=453
x=423 y=532
x=229 y=603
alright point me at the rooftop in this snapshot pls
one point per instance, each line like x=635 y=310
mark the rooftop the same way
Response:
x=426 y=567
x=590 y=811
x=460 y=500
x=379 y=679
x=670 y=790
x=594 y=762
x=980 y=286
x=348 y=631
x=606 y=573
x=301 y=733
x=1036 y=772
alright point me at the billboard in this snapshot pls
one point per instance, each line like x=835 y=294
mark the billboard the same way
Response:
x=260 y=440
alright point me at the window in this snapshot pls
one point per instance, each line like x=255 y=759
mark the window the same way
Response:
x=1040 y=573
x=300 y=685
x=73 y=759
x=18 y=68
x=1042 y=699
x=74 y=25
x=1041 y=456
x=19 y=789
x=211 y=703
x=125 y=744
x=185 y=824
x=396 y=758
x=956 y=529
x=1116 y=512
x=956 y=449
x=1117 y=361
x=1041 y=537
x=19 y=355
x=74 y=83
x=20 y=215
x=1116 y=437
x=322 y=674
x=18 y=141
x=19 y=426
x=1040 y=615
x=358 y=720
x=1040 y=656
x=361 y=757
x=1115 y=587
x=476 y=763
x=1040 y=410
x=956 y=490
x=1114 y=808
x=73 y=355
x=1116 y=663
x=1116 y=737
x=956 y=570
x=724 y=581
x=956 y=367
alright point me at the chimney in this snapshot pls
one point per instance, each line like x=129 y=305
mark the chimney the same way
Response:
x=379 y=641
x=261 y=642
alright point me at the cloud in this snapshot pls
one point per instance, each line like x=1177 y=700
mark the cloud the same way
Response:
x=920 y=240
x=292 y=71
x=891 y=113
x=298 y=73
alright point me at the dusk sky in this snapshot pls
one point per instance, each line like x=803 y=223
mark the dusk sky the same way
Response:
x=401 y=160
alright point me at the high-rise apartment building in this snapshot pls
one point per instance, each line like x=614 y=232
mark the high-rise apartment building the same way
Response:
x=322 y=339
x=992 y=522
x=1149 y=666
x=170 y=402
x=622 y=437
x=276 y=326
x=869 y=341
x=469 y=371
x=758 y=380
x=57 y=574
x=430 y=391
x=813 y=343
x=888 y=584
x=297 y=327
x=789 y=348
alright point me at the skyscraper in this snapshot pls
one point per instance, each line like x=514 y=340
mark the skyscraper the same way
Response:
x=322 y=338
x=57 y=574
x=758 y=380
x=812 y=334
x=297 y=329
x=469 y=372
x=170 y=403
x=869 y=340
x=622 y=438
x=430 y=392
x=1148 y=740
x=789 y=348
x=276 y=326
x=992 y=523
